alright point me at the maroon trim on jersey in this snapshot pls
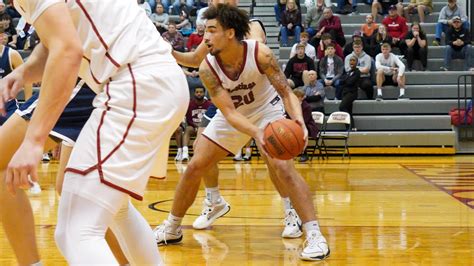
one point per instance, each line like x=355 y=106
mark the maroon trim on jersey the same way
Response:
x=220 y=146
x=214 y=72
x=90 y=70
x=241 y=67
x=158 y=177
x=97 y=34
x=256 y=59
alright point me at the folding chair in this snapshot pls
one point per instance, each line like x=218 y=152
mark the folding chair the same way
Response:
x=318 y=117
x=336 y=129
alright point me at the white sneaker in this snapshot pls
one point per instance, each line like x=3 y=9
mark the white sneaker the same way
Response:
x=292 y=225
x=185 y=156
x=210 y=213
x=35 y=189
x=316 y=247
x=46 y=158
x=179 y=155
x=164 y=234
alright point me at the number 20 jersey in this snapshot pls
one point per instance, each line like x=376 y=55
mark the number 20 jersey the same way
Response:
x=251 y=92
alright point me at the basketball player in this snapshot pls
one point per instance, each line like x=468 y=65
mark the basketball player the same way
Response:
x=123 y=55
x=214 y=205
x=250 y=92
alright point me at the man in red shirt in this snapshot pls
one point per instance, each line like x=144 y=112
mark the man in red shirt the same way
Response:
x=397 y=27
x=196 y=37
x=331 y=24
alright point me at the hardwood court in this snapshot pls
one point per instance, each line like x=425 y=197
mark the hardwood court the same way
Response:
x=373 y=211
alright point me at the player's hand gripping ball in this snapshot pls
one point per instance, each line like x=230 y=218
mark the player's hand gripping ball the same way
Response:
x=284 y=139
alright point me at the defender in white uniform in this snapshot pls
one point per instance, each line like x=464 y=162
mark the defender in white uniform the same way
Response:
x=140 y=91
x=249 y=89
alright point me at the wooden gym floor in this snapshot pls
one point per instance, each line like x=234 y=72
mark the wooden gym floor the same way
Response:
x=373 y=211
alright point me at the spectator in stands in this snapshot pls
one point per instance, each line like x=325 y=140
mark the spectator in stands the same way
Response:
x=6 y=26
x=417 y=46
x=422 y=7
x=396 y=27
x=332 y=24
x=445 y=19
x=382 y=7
x=184 y=25
x=308 y=120
x=178 y=6
x=331 y=68
x=24 y=31
x=200 y=4
x=368 y=29
x=174 y=37
x=297 y=65
x=279 y=7
x=356 y=37
x=309 y=49
x=11 y=11
x=380 y=38
x=325 y=40
x=458 y=46
x=290 y=23
x=197 y=107
x=160 y=18
x=196 y=37
x=145 y=7
x=349 y=83
x=314 y=15
x=341 y=7
x=390 y=71
x=314 y=94
x=364 y=64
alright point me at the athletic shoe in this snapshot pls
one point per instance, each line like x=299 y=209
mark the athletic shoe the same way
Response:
x=247 y=157
x=35 y=189
x=292 y=225
x=185 y=156
x=45 y=158
x=238 y=158
x=164 y=234
x=210 y=213
x=316 y=247
x=303 y=158
x=436 y=43
x=444 y=69
x=379 y=98
x=403 y=97
x=179 y=156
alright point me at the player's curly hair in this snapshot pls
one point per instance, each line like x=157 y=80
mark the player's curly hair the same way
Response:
x=230 y=17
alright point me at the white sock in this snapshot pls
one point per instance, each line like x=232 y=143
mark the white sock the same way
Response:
x=185 y=149
x=213 y=195
x=174 y=220
x=287 y=203
x=37 y=264
x=402 y=91
x=379 y=91
x=311 y=226
x=238 y=155
x=180 y=150
x=248 y=152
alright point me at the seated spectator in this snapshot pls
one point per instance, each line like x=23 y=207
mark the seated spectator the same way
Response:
x=417 y=46
x=445 y=20
x=297 y=65
x=290 y=23
x=341 y=7
x=200 y=4
x=397 y=28
x=325 y=40
x=422 y=7
x=390 y=71
x=314 y=94
x=381 y=7
x=356 y=37
x=458 y=46
x=314 y=15
x=145 y=7
x=160 y=19
x=6 y=26
x=178 y=6
x=184 y=25
x=332 y=24
x=308 y=120
x=368 y=29
x=197 y=107
x=11 y=10
x=196 y=37
x=349 y=83
x=331 y=68
x=199 y=17
x=309 y=49
x=380 y=38
x=174 y=37
x=279 y=7
x=364 y=64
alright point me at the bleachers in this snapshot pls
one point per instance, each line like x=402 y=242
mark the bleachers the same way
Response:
x=423 y=121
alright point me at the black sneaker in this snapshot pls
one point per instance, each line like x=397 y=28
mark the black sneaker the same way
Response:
x=303 y=158
x=403 y=97
x=379 y=98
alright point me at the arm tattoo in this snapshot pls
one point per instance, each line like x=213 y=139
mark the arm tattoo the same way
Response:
x=210 y=81
x=270 y=67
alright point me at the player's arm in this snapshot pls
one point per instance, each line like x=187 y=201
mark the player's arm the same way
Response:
x=221 y=99
x=191 y=59
x=269 y=65
x=16 y=62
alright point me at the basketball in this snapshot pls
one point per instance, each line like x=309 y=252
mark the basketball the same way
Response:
x=284 y=139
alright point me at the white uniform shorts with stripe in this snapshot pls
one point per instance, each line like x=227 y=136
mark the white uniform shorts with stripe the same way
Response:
x=230 y=139
x=135 y=116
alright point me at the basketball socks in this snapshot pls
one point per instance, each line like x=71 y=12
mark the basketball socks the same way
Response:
x=311 y=226
x=213 y=195
x=37 y=264
x=287 y=203
x=379 y=91
x=185 y=149
x=402 y=91
x=174 y=221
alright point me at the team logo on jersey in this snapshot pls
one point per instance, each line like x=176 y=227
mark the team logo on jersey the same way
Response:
x=243 y=86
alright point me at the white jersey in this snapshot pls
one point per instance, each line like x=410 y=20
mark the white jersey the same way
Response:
x=106 y=49
x=251 y=92
x=386 y=63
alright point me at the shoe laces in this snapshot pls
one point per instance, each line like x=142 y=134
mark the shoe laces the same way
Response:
x=291 y=218
x=162 y=229
x=207 y=207
x=314 y=239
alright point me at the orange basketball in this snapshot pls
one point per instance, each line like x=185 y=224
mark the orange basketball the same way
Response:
x=284 y=139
